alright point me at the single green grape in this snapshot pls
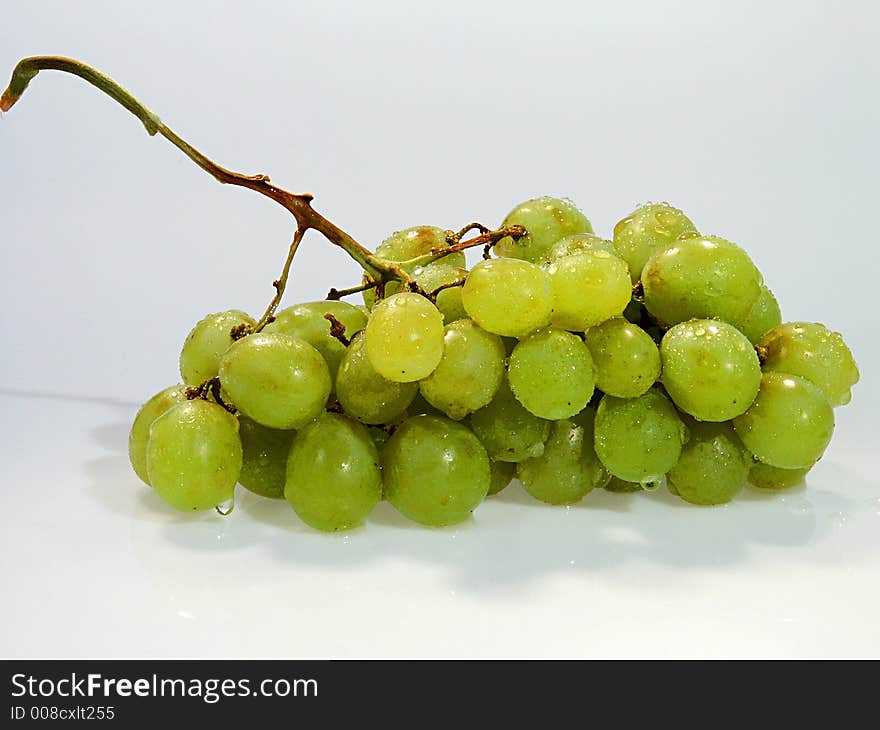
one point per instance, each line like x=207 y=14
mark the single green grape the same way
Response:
x=508 y=297
x=625 y=358
x=470 y=372
x=619 y=486
x=790 y=423
x=551 y=374
x=588 y=288
x=814 y=352
x=501 y=474
x=436 y=471
x=647 y=230
x=578 y=243
x=418 y=241
x=765 y=476
x=366 y=395
x=703 y=277
x=639 y=439
x=334 y=477
x=714 y=464
x=194 y=455
x=448 y=300
x=507 y=430
x=763 y=316
x=264 y=458
x=569 y=468
x=277 y=380
x=546 y=220
x=140 y=429
x=206 y=343
x=710 y=369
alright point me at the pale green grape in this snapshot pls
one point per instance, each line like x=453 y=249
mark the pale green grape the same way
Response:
x=501 y=474
x=647 y=230
x=701 y=277
x=507 y=430
x=366 y=395
x=435 y=470
x=508 y=297
x=710 y=369
x=404 y=337
x=763 y=316
x=334 y=477
x=277 y=380
x=206 y=343
x=569 y=467
x=470 y=372
x=578 y=243
x=625 y=358
x=619 y=486
x=588 y=288
x=639 y=439
x=194 y=455
x=765 y=476
x=551 y=374
x=264 y=458
x=140 y=429
x=814 y=352
x=449 y=300
x=418 y=241
x=546 y=220
x=790 y=423
x=713 y=466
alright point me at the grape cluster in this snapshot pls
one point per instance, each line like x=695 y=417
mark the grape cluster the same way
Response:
x=568 y=361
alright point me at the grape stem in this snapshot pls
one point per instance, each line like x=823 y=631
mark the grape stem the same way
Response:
x=335 y=294
x=337 y=329
x=486 y=238
x=212 y=386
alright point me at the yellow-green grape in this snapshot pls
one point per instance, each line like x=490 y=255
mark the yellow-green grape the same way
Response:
x=646 y=231
x=277 y=380
x=578 y=243
x=625 y=358
x=763 y=316
x=639 y=439
x=619 y=486
x=814 y=352
x=418 y=241
x=448 y=300
x=435 y=470
x=366 y=395
x=551 y=374
x=765 y=476
x=713 y=467
x=569 y=467
x=546 y=220
x=710 y=369
x=702 y=277
x=404 y=337
x=508 y=297
x=470 y=372
x=790 y=423
x=334 y=477
x=206 y=343
x=588 y=288
x=501 y=474
x=507 y=430
x=264 y=458
x=140 y=428
x=194 y=455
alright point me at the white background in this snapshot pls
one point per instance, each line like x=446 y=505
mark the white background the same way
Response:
x=759 y=119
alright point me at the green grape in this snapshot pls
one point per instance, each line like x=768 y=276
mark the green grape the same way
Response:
x=625 y=358
x=639 y=439
x=507 y=430
x=206 y=343
x=763 y=316
x=194 y=455
x=333 y=474
x=508 y=297
x=501 y=474
x=588 y=288
x=404 y=337
x=569 y=467
x=710 y=369
x=277 y=380
x=140 y=429
x=470 y=372
x=366 y=395
x=307 y=322
x=814 y=352
x=619 y=486
x=702 y=277
x=765 y=476
x=436 y=471
x=449 y=300
x=546 y=220
x=713 y=466
x=418 y=241
x=790 y=423
x=264 y=458
x=551 y=374
x=649 y=229
x=578 y=243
